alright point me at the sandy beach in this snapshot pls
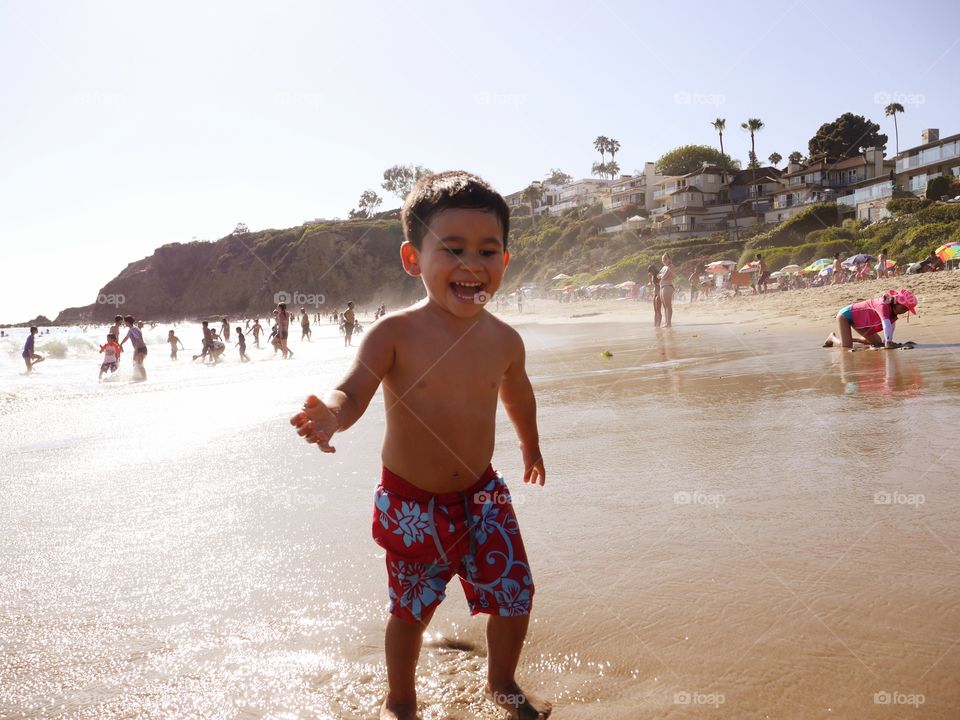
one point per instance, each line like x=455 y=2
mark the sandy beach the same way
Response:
x=736 y=523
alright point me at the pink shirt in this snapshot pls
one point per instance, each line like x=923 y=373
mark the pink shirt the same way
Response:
x=870 y=314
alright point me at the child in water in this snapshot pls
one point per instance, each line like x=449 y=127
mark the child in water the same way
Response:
x=173 y=340
x=870 y=317
x=242 y=344
x=441 y=509
x=111 y=355
x=30 y=357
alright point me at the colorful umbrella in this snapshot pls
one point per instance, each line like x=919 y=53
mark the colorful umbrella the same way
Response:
x=891 y=264
x=827 y=271
x=720 y=267
x=818 y=265
x=859 y=258
x=949 y=252
x=946 y=245
x=791 y=269
x=750 y=267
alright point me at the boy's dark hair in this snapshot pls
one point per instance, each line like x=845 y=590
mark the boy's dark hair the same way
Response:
x=130 y=319
x=111 y=337
x=758 y=256
x=453 y=189
x=118 y=317
x=204 y=323
x=34 y=329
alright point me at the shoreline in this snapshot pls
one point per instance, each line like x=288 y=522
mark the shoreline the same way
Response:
x=804 y=311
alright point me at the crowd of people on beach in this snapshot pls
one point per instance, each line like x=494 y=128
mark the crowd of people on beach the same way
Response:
x=213 y=341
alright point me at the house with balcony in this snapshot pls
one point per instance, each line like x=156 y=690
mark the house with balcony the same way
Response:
x=917 y=165
x=751 y=191
x=825 y=181
x=547 y=200
x=635 y=189
x=585 y=192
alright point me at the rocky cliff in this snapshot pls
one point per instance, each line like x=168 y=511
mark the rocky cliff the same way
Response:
x=320 y=266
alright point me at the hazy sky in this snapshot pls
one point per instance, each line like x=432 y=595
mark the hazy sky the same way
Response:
x=125 y=126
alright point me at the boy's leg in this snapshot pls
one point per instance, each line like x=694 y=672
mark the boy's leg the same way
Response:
x=402 y=644
x=505 y=637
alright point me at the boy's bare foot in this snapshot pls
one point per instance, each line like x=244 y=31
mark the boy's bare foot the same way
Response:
x=520 y=704
x=398 y=711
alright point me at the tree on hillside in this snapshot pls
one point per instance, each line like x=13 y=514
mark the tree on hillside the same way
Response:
x=720 y=124
x=796 y=157
x=400 y=179
x=775 y=158
x=240 y=229
x=847 y=136
x=558 y=177
x=893 y=109
x=753 y=126
x=613 y=147
x=368 y=204
x=600 y=145
x=687 y=158
x=752 y=162
x=598 y=169
x=532 y=195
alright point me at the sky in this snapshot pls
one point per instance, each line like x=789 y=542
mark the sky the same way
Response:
x=125 y=126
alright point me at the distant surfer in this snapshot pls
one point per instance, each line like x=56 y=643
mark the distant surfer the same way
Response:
x=30 y=357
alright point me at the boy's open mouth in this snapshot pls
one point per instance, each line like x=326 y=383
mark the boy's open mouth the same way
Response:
x=467 y=291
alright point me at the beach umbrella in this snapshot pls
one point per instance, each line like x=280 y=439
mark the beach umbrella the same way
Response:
x=606 y=286
x=891 y=264
x=950 y=252
x=569 y=287
x=859 y=258
x=626 y=285
x=791 y=270
x=818 y=265
x=750 y=267
x=775 y=275
x=720 y=267
x=946 y=245
x=827 y=271
x=561 y=276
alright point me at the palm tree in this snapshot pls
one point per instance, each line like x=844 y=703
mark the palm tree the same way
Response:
x=613 y=169
x=598 y=169
x=600 y=145
x=753 y=126
x=893 y=109
x=532 y=195
x=720 y=124
x=795 y=157
x=775 y=158
x=613 y=147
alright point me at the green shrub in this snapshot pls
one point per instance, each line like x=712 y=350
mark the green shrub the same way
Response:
x=937 y=187
x=906 y=206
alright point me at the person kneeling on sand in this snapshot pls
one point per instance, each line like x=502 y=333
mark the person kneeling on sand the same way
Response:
x=869 y=318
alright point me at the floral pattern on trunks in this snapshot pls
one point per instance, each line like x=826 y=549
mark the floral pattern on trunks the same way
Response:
x=476 y=537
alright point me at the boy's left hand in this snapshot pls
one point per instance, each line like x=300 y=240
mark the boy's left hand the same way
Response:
x=533 y=470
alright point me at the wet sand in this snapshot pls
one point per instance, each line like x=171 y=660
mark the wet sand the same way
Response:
x=736 y=524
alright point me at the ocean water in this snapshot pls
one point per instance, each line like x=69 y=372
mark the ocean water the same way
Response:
x=735 y=524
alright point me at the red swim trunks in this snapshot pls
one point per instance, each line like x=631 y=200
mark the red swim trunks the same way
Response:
x=429 y=537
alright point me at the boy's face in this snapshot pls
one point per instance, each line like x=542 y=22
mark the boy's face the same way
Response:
x=461 y=260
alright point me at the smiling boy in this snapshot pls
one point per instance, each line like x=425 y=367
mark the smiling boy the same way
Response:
x=441 y=509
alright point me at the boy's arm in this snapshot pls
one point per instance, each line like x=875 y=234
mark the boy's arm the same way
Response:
x=346 y=403
x=516 y=393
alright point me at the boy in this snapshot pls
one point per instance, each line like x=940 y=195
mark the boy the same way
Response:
x=29 y=356
x=111 y=353
x=443 y=362
x=763 y=274
x=283 y=328
x=305 y=332
x=173 y=340
x=135 y=336
x=242 y=344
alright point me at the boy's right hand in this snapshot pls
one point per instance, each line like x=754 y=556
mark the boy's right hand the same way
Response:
x=316 y=424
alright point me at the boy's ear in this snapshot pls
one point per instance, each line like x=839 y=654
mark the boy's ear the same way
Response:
x=506 y=259
x=409 y=256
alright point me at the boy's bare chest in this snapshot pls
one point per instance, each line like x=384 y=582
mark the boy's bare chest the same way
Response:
x=449 y=368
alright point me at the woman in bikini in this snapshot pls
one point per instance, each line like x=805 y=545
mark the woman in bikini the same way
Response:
x=667 y=275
